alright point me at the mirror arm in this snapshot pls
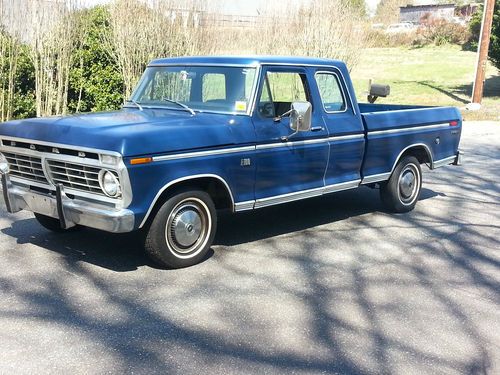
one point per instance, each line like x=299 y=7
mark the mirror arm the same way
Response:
x=278 y=118
x=285 y=138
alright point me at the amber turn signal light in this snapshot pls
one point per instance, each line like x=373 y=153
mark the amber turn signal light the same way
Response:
x=140 y=161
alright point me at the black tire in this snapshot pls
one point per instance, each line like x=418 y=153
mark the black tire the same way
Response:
x=53 y=224
x=400 y=193
x=182 y=230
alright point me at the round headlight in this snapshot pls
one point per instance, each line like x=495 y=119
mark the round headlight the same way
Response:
x=4 y=165
x=109 y=184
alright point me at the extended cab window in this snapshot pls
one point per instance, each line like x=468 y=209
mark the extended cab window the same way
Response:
x=279 y=90
x=330 y=92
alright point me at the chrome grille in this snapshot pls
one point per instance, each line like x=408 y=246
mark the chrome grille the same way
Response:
x=27 y=167
x=75 y=176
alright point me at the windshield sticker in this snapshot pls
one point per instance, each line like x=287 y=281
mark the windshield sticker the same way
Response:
x=240 y=106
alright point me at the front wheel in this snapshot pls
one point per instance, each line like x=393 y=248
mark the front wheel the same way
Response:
x=183 y=230
x=401 y=192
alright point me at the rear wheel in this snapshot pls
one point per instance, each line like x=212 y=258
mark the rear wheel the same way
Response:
x=183 y=230
x=52 y=224
x=401 y=192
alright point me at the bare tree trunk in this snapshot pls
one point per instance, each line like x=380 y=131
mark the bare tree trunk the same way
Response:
x=52 y=43
x=142 y=32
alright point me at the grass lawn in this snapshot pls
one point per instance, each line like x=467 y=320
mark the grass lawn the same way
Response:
x=428 y=76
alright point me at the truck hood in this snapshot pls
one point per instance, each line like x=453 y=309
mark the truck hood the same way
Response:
x=131 y=132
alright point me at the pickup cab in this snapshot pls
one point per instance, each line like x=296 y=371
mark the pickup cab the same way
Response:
x=203 y=134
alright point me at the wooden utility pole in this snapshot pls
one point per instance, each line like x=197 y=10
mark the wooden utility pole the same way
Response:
x=483 y=45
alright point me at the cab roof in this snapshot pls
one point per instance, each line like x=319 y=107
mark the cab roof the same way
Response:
x=247 y=61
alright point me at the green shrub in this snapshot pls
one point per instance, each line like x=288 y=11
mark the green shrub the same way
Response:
x=95 y=82
x=440 y=32
x=17 y=80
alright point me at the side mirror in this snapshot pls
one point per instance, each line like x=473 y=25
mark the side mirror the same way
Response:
x=301 y=116
x=376 y=90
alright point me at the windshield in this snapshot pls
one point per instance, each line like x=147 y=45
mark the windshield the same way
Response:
x=198 y=88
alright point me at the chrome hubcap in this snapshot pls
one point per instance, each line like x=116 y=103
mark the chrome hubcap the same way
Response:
x=188 y=227
x=408 y=184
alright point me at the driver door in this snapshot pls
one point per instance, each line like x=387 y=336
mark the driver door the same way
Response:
x=294 y=168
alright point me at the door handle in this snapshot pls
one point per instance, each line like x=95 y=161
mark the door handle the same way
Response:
x=317 y=128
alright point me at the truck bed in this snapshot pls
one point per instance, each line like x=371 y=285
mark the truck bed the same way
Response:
x=391 y=129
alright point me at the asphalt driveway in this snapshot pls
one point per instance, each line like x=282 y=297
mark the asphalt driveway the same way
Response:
x=327 y=285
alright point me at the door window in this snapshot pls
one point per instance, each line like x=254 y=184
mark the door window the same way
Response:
x=280 y=89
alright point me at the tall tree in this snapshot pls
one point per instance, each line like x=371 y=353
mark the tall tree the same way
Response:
x=475 y=29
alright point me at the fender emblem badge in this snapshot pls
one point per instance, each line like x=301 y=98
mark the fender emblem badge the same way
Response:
x=245 y=162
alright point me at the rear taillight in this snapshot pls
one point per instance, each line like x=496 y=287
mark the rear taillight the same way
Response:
x=453 y=123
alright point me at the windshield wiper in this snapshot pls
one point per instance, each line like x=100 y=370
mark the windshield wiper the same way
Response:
x=137 y=104
x=179 y=104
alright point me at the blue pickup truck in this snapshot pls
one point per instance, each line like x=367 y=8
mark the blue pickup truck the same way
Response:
x=202 y=134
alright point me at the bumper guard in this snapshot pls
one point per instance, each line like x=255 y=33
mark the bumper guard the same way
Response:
x=458 y=158
x=69 y=212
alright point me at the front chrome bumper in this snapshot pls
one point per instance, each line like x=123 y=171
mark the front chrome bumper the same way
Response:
x=70 y=212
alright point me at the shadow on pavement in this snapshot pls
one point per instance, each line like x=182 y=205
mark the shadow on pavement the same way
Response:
x=386 y=303
x=124 y=252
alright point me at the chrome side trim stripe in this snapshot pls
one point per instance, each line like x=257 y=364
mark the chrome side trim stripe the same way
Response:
x=232 y=150
x=290 y=144
x=294 y=143
x=244 y=206
x=376 y=178
x=196 y=154
x=311 y=141
x=342 y=186
x=346 y=137
x=297 y=195
x=443 y=162
x=289 y=197
x=415 y=128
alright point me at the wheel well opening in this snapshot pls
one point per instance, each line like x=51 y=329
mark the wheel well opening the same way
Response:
x=214 y=187
x=420 y=153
